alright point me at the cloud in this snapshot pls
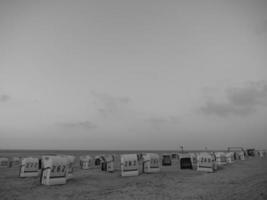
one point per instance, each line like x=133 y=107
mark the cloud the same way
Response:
x=80 y=124
x=255 y=93
x=162 y=120
x=156 y=120
x=225 y=109
x=159 y=122
x=109 y=105
x=4 y=98
x=239 y=100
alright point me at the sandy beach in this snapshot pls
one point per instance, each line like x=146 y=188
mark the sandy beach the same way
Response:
x=240 y=180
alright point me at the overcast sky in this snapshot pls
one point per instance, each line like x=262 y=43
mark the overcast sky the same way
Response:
x=133 y=74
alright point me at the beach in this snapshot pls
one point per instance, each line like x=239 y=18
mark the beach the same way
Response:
x=240 y=180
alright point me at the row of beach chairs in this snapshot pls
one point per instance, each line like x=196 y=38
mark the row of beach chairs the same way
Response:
x=57 y=169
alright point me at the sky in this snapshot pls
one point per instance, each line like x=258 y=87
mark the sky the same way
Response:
x=129 y=75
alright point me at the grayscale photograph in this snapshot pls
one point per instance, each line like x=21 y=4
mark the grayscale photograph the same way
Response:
x=133 y=99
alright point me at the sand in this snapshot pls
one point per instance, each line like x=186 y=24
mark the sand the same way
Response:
x=240 y=180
